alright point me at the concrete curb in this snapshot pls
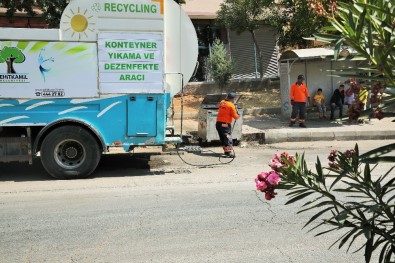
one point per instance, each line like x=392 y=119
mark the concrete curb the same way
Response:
x=287 y=135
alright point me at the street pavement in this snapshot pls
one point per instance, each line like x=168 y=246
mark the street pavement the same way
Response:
x=271 y=128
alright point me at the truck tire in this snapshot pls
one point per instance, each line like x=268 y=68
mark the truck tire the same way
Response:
x=70 y=152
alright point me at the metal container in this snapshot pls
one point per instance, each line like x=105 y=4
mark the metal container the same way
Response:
x=207 y=118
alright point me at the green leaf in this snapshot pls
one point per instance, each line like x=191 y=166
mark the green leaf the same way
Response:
x=383 y=252
x=297 y=192
x=361 y=214
x=320 y=173
x=350 y=234
x=378 y=151
x=391 y=199
x=389 y=255
x=368 y=249
x=341 y=218
x=382 y=178
x=327 y=231
x=312 y=201
x=361 y=23
x=326 y=38
x=347 y=190
x=285 y=186
x=366 y=175
x=367 y=231
x=301 y=196
x=374 y=160
x=377 y=188
x=382 y=24
x=324 y=203
x=317 y=215
x=387 y=186
x=354 y=238
x=358 y=58
x=318 y=225
x=377 y=8
x=390 y=189
x=337 y=48
x=357 y=186
x=339 y=177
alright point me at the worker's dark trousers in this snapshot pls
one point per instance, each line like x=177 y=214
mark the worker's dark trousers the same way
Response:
x=224 y=130
x=298 y=107
x=333 y=108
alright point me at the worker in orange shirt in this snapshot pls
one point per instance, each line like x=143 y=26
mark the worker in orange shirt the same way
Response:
x=298 y=95
x=226 y=113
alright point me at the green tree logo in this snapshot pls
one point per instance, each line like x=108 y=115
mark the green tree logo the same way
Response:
x=11 y=55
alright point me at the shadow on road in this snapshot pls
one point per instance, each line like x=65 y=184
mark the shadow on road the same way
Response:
x=21 y=172
x=125 y=164
x=111 y=165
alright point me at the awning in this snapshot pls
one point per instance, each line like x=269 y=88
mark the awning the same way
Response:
x=313 y=53
x=202 y=9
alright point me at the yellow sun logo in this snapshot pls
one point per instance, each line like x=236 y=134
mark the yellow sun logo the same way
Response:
x=77 y=22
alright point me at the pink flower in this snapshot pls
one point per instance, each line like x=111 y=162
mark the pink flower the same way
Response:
x=273 y=179
x=289 y=157
x=332 y=156
x=334 y=165
x=262 y=176
x=349 y=153
x=275 y=164
x=269 y=195
x=260 y=185
x=378 y=113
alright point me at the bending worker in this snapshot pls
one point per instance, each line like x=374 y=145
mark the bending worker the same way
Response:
x=298 y=95
x=226 y=113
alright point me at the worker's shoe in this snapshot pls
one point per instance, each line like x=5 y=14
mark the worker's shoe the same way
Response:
x=228 y=148
x=302 y=125
x=229 y=155
x=291 y=123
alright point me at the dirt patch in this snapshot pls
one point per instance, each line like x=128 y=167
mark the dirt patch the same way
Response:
x=260 y=99
x=248 y=100
x=191 y=103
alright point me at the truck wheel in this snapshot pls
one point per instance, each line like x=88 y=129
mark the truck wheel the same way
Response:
x=70 y=152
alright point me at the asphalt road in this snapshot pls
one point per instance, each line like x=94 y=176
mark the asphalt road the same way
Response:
x=157 y=208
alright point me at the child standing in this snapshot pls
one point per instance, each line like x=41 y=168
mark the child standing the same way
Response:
x=319 y=103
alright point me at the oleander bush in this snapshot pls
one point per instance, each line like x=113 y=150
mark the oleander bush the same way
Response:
x=345 y=196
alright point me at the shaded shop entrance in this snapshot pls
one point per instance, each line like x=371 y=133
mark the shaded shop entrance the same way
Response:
x=240 y=47
x=207 y=32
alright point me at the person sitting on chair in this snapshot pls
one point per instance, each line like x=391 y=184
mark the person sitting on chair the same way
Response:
x=337 y=100
x=319 y=103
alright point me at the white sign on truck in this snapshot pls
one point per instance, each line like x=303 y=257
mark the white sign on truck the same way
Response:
x=37 y=68
x=133 y=62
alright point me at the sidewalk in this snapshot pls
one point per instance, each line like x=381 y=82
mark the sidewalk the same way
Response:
x=271 y=129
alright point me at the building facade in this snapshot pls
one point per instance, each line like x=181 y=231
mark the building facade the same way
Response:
x=241 y=47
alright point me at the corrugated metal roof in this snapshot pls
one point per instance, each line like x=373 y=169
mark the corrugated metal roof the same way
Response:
x=311 y=53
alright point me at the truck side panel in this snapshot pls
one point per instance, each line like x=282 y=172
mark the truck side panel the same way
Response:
x=117 y=119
